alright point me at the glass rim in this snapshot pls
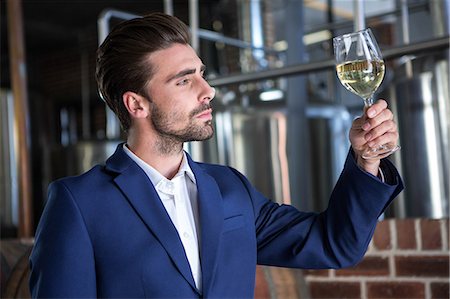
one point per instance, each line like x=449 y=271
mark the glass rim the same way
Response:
x=345 y=35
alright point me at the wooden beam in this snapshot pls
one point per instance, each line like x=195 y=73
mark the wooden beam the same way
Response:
x=21 y=114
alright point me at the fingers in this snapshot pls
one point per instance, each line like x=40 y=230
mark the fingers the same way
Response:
x=358 y=122
x=379 y=125
x=380 y=118
x=384 y=133
x=375 y=128
x=357 y=134
x=387 y=138
x=376 y=108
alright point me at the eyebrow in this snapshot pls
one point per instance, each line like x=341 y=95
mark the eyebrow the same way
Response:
x=184 y=73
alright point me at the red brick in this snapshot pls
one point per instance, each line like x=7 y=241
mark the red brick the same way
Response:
x=382 y=236
x=423 y=266
x=447 y=232
x=335 y=290
x=431 y=234
x=320 y=272
x=406 y=234
x=440 y=290
x=395 y=290
x=285 y=283
x=262 y=286
x=369 y=266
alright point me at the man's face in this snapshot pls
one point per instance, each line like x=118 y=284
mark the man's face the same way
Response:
x=180 y=95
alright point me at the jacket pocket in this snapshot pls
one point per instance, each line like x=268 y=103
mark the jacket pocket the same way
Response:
x=232 y=223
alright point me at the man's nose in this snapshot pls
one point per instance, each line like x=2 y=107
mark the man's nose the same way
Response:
x=208 y=92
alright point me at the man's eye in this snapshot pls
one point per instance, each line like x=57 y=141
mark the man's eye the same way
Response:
x=183 y=82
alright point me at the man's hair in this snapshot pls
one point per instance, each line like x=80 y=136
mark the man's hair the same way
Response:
x=122 y=59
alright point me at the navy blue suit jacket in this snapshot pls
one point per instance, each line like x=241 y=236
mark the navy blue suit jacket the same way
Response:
x=106 y=233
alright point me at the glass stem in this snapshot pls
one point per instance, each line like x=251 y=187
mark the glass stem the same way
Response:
x=368 y=102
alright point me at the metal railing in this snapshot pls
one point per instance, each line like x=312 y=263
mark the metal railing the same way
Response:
x=389 y=54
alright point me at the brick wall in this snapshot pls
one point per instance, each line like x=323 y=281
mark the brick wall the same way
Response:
x=407 y=258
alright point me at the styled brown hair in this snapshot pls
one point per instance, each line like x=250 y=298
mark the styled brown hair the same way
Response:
x=122 y=59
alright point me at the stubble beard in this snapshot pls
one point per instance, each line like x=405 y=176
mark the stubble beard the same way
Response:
x=171 y=140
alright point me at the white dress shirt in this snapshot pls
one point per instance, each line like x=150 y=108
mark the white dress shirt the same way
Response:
x=179 y=197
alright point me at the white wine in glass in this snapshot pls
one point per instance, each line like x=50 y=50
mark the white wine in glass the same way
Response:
x=360 y=68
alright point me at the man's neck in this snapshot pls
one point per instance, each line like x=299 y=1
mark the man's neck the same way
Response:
x=166 y=160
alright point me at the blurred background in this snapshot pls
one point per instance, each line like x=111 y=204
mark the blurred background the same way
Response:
x=281 y=115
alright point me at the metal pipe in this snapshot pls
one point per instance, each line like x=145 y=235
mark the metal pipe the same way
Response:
x=85 y=90
x=429 y=45
x=273 y=73
x=218 y=37
x=105 y=16
x=405 y=35
x=434 y=44
x=21 y=115
x=168 y=7
x=257 y=31
x=417 y=7
x=405 y=21
x=359 y=21
x=9 y=189
x=193 y=22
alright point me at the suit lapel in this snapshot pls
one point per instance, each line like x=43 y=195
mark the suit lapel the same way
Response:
x=141 y=194
x=211 y=222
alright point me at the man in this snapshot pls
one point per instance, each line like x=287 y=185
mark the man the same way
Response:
x=154 y=223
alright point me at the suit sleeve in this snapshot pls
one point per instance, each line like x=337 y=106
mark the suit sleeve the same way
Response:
x=335 y=238
x=62 y=260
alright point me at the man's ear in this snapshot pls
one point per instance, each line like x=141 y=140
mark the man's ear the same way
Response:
x=137 y=105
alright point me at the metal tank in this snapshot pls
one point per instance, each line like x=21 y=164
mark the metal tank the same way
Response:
x=422 y=104
x=9 y=187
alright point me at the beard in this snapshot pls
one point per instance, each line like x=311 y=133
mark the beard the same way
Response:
x=193 y=131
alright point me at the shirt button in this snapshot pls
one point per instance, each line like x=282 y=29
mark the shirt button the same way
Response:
x=186 y=235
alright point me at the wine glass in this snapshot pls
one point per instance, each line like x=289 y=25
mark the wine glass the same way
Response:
x=360 y=68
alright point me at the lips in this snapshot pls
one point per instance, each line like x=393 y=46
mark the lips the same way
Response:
x=206 y=114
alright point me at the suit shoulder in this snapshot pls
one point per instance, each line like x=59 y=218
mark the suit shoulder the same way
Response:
x=217 y=169
x=92 y=176
x=222 y=173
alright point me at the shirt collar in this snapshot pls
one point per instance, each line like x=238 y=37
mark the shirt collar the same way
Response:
x=154 y=175
x=185 y=168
